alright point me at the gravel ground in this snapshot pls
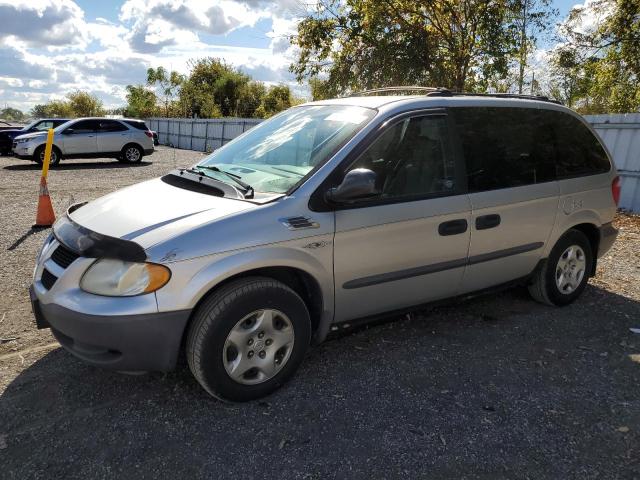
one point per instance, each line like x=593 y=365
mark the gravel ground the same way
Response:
x=494 y=387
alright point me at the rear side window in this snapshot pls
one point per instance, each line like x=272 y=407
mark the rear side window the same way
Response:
x=84 y=126
x=506 y=147
x=107 y=126
x=578 y=151
x=138 y=125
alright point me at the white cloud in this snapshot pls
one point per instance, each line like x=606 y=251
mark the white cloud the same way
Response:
x=157 y=24
x=49 y=48
x=43 y=23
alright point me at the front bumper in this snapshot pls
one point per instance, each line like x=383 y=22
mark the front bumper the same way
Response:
x=119 y=333
x=118 y=342
x=24 y=151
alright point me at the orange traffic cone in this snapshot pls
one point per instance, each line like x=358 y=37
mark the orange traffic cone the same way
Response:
x=45 y=216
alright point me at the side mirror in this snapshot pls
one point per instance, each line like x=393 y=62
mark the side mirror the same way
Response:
x=69 y=131
x=358 y=183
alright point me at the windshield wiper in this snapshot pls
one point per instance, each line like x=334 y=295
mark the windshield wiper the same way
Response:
x=248 y=189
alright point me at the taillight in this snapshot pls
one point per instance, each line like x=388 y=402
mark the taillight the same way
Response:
x=148 y=134
x=615 y=190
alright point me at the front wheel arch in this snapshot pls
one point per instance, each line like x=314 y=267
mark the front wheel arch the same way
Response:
x=301 y=282
x=39 y=149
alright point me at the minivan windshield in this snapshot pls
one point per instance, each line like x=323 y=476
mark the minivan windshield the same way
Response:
x=278 y=153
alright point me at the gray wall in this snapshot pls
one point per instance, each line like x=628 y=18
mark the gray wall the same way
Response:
x=204 y=135
x=620 y=132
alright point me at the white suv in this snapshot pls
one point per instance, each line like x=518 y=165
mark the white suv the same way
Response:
x=128 y=140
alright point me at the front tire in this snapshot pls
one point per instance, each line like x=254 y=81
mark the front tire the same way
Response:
x=54 y=160
x=565 y=274
x=248 y=338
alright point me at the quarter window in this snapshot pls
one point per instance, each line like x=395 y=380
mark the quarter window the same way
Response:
x=411 y=158
x=579 y=151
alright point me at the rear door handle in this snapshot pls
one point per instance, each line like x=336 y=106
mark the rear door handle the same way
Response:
x=453 y=227
x=485 y=222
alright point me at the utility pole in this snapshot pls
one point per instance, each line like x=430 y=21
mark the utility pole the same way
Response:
x=533 y=81
x=523 y=45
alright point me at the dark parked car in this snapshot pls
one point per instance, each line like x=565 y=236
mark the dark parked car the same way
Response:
x=7 y=126
x=7 y=136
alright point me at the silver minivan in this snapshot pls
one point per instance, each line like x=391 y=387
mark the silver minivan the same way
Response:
x=330 y=213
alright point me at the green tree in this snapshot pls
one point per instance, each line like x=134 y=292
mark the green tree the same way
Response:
x=606 y=58
x=12 y=114
x=278 y=98
x=212 y=88
x=250 y=98
x=141 y=102
x=52 y=109
x=530 y=20
x=168 y=83
x=83 y=104
x=358 y=44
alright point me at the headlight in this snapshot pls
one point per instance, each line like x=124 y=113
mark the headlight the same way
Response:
x=23 y=140
x=117 y=278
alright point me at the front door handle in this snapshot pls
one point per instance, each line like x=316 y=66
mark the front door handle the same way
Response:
x=485 y=222
x=453 y=227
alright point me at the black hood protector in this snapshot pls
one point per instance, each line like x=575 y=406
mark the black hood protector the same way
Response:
x=88 y=243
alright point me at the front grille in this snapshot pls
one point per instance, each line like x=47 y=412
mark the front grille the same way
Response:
x=48 y=279
x=63 y=256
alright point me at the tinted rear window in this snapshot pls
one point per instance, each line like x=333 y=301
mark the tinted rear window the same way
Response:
x=138 y=125
x=511 y=147
x=506 y=147
x=578 y=151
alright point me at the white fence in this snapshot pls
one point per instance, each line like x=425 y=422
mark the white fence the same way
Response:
x=204 y=135
x=621 y=133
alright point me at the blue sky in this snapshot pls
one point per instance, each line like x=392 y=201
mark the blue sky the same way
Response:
x=50 y=47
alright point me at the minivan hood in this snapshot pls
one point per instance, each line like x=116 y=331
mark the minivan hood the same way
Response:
x=153 y=211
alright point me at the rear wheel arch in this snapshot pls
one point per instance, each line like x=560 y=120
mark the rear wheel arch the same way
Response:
x=592 y=232
x=129 y=145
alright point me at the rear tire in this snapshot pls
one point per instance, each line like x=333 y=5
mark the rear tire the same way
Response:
x=564 y=275
x=248 y=338
x=131 y=154
x=54 y=160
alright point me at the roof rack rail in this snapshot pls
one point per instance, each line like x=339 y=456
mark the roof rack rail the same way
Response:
x=404 y=88
x=445 y=92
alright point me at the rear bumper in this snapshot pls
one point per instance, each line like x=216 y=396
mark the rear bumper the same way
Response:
x=119 y=342
x=149 y=151
x=608 y=235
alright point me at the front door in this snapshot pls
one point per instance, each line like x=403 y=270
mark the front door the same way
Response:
x=510 y=164
x=112 y=136
x=81 y=138
x=408 y=245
